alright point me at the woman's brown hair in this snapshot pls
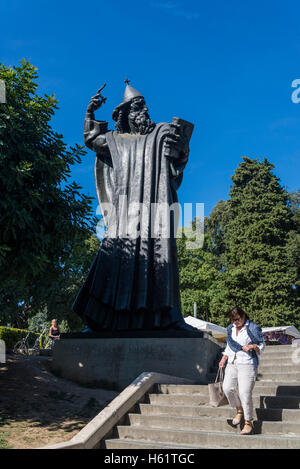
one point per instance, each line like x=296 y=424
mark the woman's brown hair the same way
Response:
x=237 y=310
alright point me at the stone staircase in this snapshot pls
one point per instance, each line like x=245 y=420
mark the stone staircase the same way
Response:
x=179 y=416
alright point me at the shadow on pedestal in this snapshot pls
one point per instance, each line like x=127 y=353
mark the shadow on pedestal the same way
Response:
x=114 y=360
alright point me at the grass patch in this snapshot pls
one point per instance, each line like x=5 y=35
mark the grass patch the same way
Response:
x=27 y=439
x=4 y=444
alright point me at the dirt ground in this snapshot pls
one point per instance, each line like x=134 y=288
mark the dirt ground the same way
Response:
x=38 y=408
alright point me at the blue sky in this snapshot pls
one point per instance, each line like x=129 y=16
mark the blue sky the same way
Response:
x=225 y=66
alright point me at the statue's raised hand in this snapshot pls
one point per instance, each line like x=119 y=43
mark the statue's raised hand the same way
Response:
x=175 y=140
x=96 y=101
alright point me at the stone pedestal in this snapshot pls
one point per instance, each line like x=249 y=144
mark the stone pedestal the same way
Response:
x=114 y=362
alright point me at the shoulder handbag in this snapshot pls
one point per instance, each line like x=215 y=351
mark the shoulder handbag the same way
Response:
x=217 y=397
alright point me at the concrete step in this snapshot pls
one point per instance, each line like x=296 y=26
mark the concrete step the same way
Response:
x=274 y=402
x=140 y=444
x=265 y=382
x=211 y=424
x=261 y=387
x=181 y=389
x=224 y=412
x=178 y=399
x=276 y=377
x=287 y=368
x=276 y=356
x=207 y=439
x=267 y=388
x=278 y=349
x=285 y=356
x=277 y=402
x=281 y=361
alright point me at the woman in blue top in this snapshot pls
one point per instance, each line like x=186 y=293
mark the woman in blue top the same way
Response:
x=245 y=344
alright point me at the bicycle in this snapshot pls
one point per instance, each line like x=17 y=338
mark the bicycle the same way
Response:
x=39 y=343
x=22 y=346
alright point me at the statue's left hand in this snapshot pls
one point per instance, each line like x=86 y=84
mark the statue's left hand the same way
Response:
x=175 y=139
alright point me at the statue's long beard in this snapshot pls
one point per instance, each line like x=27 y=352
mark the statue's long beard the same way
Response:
x=140 y=122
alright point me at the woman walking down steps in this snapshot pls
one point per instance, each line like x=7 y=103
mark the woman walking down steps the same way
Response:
x=245 y=344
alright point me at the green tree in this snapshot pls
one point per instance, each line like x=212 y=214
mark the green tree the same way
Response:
x=293 y=246
x=251 y=252
x=199 y=275
x=259 y=272
x=43 y=215
x=58 y=298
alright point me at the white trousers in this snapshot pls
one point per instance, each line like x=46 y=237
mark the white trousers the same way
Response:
x=238 y=385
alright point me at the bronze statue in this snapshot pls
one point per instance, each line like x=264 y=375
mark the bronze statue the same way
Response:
x=133 y=282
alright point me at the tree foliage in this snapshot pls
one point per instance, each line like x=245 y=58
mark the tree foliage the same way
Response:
x=199 y=275
x=43 y=215
x=252 y=241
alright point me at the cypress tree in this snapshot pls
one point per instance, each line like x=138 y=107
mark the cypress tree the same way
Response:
x=260 y=274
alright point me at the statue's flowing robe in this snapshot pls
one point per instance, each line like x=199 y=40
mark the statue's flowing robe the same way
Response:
x=133 y=282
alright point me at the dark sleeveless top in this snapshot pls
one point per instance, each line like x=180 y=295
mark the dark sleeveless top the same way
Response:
x=55 y=332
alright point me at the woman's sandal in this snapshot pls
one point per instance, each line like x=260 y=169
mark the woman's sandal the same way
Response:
x=249 y=430
x=236 y=420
